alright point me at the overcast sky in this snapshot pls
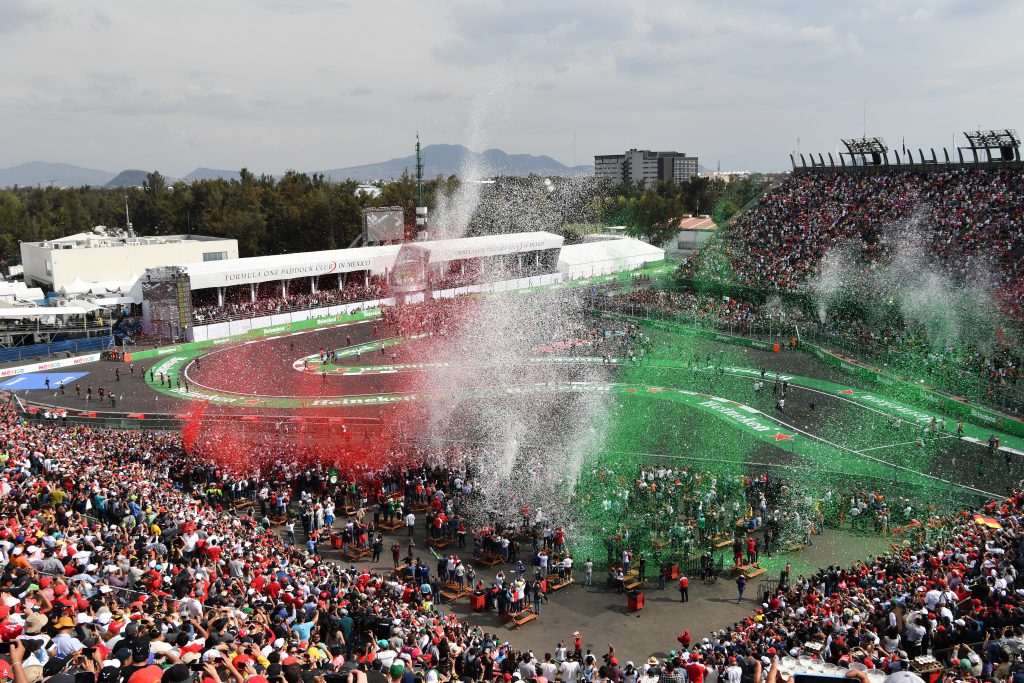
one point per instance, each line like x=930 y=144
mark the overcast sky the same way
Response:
x=316 y=84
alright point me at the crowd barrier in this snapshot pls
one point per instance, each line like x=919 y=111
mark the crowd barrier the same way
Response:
x=49 y=365
x=920 y=395
x=47 y=350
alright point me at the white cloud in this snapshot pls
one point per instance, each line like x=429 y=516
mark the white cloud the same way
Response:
x=275 y=84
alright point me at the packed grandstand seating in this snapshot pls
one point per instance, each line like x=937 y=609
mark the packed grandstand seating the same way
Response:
x=971 y=219
x=743 y=316
x=124 y=560
x=246 y=308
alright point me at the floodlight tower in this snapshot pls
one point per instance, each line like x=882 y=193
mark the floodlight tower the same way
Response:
x=421 y=206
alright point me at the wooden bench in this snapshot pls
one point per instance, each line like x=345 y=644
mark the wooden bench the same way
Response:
x=419 y=507
x=794 y=548
x=402 y=572
x=755 y=573
x=524 y=619
x=243 y=504
x=556 y=583
x=520 y=618
x=440 y=542
x=355 y=553
x=722 y=541
x=452 y=591
x=393 y=525
x=490 y=559
x=633 y=583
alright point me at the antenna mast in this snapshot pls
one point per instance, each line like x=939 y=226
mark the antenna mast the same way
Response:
x=419 y=172
x=421 y=206
x=127 y=218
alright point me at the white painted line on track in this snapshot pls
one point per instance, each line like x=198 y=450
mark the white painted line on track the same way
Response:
x=985 y=443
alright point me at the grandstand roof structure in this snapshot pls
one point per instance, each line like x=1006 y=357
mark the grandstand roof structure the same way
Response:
x=377 y=260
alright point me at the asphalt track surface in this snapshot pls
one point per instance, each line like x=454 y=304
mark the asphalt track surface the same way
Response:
x=266 y=368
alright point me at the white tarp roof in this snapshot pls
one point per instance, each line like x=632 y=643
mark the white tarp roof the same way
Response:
x=20 y=291
x=16 y=313
x=114 y=300
x=607 y=252
x=442 y=251
x=375 y=259
x=29 y=294
x=79 y=286
x=76 y=286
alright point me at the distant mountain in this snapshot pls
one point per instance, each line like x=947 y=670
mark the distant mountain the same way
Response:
x=60 y=175
x=131 y=177
x=211 y=174
x=446 y=160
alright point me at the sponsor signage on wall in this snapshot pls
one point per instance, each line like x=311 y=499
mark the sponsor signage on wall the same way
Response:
x=49 y=365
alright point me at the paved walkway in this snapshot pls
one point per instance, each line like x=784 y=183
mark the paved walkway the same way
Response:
x=602 y=616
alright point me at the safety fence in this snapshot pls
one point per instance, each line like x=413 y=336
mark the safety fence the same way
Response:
x=1001 y=396
x=917 y=394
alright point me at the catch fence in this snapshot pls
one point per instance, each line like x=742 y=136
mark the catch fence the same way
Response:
x=1004 y=397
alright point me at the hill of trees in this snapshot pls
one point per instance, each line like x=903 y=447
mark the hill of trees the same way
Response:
x=303 y=212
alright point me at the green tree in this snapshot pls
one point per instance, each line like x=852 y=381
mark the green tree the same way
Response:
x=13 y=224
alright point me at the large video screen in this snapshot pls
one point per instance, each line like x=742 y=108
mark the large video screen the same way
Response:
x=384 y=225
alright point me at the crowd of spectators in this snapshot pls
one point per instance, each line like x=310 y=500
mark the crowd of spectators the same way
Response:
x=246 y=308
x=430 y=316
x=701 y=309
x=990 y=373
x=971 y=220
x=124 y=562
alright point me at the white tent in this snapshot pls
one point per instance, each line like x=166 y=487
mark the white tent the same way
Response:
x=442 y=251
x=88 y=306
x=608 y=256
x=77 y=286
x=29 y=294
x=19 y=291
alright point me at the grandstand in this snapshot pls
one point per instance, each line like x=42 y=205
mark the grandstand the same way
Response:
x=319 y=495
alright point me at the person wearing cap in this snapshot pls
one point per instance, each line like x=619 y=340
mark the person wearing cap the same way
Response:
x=64 y=643
x=614 y=673
x=695 y=669
x=733 y=671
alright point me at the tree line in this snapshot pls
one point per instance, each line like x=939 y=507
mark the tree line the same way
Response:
x=304 y=212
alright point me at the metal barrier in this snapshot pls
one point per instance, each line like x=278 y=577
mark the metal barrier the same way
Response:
x=1008 y=398
x=70 y=347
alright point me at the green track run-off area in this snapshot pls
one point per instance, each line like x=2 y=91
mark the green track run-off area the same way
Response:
x=689 y=407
